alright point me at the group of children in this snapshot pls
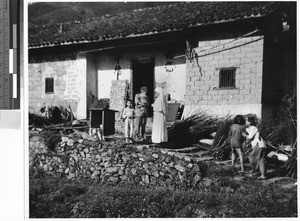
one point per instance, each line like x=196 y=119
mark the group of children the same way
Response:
x=136 y=119
x=240 y=130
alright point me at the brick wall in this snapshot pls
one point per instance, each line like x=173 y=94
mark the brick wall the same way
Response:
x=68 y=74
x=202 y=82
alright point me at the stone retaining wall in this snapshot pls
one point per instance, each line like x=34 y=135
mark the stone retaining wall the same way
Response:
x=115 y=162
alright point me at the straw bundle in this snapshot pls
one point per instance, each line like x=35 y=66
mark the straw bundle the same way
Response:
x=221 y=145
x=191 y=129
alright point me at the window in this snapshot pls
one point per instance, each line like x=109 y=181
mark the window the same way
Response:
x=49 y=85
x=227 y=78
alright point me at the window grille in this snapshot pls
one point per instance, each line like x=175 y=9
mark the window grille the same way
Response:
x=227 y=78
x=49 y=85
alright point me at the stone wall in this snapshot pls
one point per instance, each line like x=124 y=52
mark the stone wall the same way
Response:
x=115 y=162
x=69 y=73
x=202 y=82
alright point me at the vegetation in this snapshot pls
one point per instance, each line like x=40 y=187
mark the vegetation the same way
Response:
x=192 y=129
x=42 y=13
x=38 y=119
x=54 y=115
x=276 y=132
x=221 y=146
x=55 y=197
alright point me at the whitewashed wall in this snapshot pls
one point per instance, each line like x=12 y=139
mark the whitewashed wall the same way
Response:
x=175 y=79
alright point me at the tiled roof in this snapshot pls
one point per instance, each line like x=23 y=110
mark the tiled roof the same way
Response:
x=173 y=17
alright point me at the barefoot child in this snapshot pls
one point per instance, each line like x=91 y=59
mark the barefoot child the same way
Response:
x=258 y=155
x=128 y=115
x=236 y=140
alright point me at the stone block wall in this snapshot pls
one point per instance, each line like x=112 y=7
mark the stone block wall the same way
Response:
x=114 y=163
x=69 y=81
x=202 y=81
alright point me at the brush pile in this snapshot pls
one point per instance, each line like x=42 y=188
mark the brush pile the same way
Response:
x=52 y=115
x=38 y=119
x=221 y=145
x=284 y=132
x=192 y=129
x=277 y=133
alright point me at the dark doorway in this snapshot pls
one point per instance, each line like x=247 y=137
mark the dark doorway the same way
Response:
x=143 y=75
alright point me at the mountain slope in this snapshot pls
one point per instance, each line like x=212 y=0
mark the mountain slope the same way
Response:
x=42 y=13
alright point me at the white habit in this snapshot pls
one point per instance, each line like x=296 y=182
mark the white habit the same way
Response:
x=159 y=128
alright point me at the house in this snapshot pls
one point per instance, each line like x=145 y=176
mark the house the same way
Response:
x=223 y=57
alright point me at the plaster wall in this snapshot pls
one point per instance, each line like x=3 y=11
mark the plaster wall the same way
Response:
x=173 y=75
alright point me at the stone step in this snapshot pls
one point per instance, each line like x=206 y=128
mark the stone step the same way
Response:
x=186 y=149
x=207 y=158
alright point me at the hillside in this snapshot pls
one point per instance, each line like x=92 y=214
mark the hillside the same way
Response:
x=55 y=12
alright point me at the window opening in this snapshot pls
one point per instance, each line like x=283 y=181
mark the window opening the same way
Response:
x=227 y=78
x=49 y=85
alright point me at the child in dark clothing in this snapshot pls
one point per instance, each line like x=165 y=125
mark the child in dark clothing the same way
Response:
x=236 y=139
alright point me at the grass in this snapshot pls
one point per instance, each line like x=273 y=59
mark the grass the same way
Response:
x=55 y=197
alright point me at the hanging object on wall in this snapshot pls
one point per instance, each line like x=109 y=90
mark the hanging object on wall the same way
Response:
x=118 y=68
x=169 y=69
x=192 y=55
x=169 y=58
x=169 y=61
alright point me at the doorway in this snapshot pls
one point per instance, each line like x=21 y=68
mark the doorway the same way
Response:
x=143 y=75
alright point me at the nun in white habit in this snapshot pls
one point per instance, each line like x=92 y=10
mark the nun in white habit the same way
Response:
x=159 y=127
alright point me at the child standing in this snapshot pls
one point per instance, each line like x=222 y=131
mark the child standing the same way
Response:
x=128 y=115
x=236 y=140
x=258 y=155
